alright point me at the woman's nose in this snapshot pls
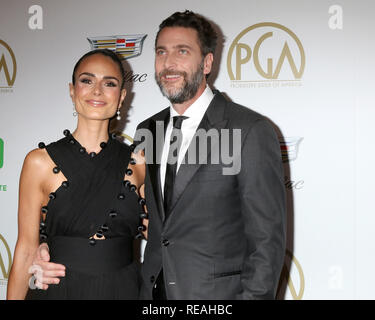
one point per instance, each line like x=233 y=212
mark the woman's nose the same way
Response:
x=97 y=88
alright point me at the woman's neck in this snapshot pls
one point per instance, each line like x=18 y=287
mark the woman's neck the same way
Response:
x=90 y=133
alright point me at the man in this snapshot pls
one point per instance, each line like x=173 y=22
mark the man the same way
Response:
x=215 y=231
x=211 y=235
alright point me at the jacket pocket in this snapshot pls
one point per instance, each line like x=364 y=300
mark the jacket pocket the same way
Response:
x=211 y=174
x=227 y=274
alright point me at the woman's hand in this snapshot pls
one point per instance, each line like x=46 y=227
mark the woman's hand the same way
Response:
x=45 y=272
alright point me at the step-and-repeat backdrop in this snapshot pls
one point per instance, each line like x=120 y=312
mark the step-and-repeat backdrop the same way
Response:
x=308 y=66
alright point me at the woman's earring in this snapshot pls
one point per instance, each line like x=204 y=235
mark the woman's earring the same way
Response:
x=118 y=114
x=74 y=110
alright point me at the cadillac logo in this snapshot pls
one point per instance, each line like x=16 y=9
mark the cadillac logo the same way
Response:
x=126 y=46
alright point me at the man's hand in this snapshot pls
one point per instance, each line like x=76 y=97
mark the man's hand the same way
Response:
x=45 y=272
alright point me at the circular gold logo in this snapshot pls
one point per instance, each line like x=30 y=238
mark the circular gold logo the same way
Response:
x=251 y=44
x=5 y=264
x=10 y=77
x=296 y=286
x=127 y=137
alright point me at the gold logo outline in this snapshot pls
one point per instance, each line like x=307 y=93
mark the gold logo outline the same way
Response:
x=265 y=24
x=4 y=65
x=285 y=275
x=2 y=265
x=127 y=137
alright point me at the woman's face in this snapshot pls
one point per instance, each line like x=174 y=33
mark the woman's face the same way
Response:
x=97 y=92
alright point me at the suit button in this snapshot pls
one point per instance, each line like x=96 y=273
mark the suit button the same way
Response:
x=113 y=214
x=152 y=279
x=121 y=196
x=165 y=242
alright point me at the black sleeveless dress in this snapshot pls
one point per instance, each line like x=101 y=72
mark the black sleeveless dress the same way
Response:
x=95 y=199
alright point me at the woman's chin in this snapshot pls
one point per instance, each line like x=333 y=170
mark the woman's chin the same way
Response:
x=97 y=117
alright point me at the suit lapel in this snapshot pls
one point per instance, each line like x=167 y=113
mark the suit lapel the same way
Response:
x=154 y=168
x=213 y=119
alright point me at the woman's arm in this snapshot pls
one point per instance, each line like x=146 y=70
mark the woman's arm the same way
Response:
x=31 y=199
x=139 y=169
x=144 y=221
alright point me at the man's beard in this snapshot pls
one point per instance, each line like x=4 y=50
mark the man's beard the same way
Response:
x=188 y=89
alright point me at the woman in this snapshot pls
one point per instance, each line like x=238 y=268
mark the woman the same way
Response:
x=87 y=187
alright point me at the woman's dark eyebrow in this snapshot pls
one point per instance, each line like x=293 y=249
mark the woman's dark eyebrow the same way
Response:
x=87 y=74
x=93 y=75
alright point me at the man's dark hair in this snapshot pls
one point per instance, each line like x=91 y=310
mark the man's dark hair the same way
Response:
x=107 y=53
x=188 y=19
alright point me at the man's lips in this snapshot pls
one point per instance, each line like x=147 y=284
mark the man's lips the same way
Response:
x=96 y=103
x=171 y=76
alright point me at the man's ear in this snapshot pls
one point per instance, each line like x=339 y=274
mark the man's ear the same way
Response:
x=207 y=63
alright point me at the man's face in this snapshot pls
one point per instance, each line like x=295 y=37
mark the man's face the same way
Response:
x=180 y=67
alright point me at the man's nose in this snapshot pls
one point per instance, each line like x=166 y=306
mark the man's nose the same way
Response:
x=170 y=61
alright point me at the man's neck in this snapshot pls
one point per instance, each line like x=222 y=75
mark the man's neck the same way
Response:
x=182 y=107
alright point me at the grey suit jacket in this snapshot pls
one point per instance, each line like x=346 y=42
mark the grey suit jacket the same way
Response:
x=225 y=235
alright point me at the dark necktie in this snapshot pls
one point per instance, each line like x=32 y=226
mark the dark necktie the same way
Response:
x=171 y=168
x=159 y=292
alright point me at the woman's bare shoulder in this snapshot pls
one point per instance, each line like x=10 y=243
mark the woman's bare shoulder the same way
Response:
x=37 y=161
x=37 y=157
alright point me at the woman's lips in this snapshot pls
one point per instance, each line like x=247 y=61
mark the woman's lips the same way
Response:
x=96 y=103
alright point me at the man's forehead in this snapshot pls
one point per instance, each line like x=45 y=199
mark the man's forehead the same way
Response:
x=177 y=36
